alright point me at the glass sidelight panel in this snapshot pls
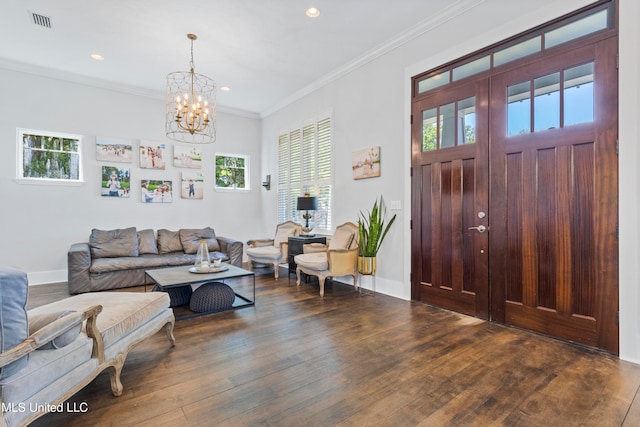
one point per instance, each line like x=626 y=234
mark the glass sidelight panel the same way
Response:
x=447 y=118
x=467 y=121
x=519 y=109
x=430 y=129
x=546 y=104
x=578 y=94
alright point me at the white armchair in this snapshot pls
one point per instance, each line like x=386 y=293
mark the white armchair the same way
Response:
x=339 y=258
x=273 y=251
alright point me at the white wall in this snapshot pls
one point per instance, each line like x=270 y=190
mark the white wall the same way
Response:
x=38 y=223
x=629 y=179
x=371 y=106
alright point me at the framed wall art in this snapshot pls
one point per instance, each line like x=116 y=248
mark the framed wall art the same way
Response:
x=366 y=163
x=187 y=157
x=115 y=181
x=114 y=150
x=192 y=186
x=152 y=155
x=156 y=191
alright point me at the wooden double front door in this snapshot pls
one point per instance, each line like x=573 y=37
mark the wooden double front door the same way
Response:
x=514 y=196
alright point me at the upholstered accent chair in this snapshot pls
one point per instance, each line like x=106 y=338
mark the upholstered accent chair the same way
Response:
x=338 y=258
x=273 y=251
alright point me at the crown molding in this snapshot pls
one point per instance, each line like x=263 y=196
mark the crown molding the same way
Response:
x=106 y=84
x=455 y=9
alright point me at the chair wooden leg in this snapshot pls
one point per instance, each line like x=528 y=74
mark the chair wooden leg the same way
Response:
x=355 y=281
x=298 y=276
x=276 y=268
x=321 y=280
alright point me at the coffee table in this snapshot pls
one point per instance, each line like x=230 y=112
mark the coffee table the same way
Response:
x=175 y=277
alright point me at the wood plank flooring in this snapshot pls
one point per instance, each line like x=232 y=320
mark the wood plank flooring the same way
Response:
x=296 y=359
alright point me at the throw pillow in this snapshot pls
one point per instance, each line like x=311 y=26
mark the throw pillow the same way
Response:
x=147 y=242
x=113 y=243
x=341 y=239
x=13 y=315
x=190 y=239
x=169 y=241
x=39 y=321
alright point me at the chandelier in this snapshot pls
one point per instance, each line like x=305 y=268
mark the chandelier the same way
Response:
x=191 y=105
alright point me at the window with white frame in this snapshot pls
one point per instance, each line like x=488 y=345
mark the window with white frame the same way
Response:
x=49 y=157
x=305 y=167
x=232 y=171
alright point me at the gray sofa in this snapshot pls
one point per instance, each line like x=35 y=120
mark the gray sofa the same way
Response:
x=115 y=259
x=50 y=352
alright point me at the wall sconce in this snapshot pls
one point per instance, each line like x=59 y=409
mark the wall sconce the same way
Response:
x=267 y=183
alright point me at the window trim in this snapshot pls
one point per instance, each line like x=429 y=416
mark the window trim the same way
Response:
x=247 y=172
x=21 y=179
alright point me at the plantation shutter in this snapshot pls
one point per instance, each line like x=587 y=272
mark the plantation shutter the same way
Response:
x=304 y=166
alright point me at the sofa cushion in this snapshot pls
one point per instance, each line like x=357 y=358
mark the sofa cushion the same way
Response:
x=147 y=242
x=313 y=261
x=341 y=239
x=113 y=243
x=169 y=241
x=39 y=321
x=265 y=253
x=106 y=265
x=13 y=315
x=190 y=239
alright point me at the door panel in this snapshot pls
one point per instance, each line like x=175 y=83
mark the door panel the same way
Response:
x=553 y=211
x=449 y=263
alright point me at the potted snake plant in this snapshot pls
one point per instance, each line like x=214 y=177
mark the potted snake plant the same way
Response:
x=372 y=231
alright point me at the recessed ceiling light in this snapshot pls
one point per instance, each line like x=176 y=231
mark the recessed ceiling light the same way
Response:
x=313 y=12
x=225 y=88
x=97 y=57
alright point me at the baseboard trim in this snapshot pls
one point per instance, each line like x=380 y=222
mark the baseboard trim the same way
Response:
x=46 y=277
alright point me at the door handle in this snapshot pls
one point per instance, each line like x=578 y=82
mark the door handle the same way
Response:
x=480 y=228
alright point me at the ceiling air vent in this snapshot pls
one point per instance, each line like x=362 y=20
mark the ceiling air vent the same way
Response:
x=41 y=20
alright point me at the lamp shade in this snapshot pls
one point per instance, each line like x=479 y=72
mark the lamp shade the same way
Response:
x=307 y=203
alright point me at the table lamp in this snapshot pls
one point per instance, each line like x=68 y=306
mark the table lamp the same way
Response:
x=307 y=203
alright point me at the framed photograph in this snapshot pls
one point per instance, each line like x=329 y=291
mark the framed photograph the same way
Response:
x=152 y=155
x=49 y=156
x=192 y=185
x=155 y=191
x=366 y=163
x=116 y=181
x=187 y=157
x=114 y=150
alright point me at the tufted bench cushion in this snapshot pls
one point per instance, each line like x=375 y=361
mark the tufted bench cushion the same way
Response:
x=126 y=317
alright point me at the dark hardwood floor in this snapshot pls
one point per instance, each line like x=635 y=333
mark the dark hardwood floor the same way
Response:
x=296 y=359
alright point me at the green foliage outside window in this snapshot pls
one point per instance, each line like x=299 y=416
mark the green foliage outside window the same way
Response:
x=430 y=136
x=231 y=172
x=50 y=157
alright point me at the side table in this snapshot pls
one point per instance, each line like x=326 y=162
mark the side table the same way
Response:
x=295 y=248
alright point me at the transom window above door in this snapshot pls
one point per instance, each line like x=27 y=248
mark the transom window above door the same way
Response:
x=449 y=125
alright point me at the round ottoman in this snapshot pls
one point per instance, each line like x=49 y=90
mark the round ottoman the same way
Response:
x=212 y=296
x=177 y=296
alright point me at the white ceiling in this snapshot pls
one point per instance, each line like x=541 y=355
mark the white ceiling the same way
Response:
x=266 y=51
